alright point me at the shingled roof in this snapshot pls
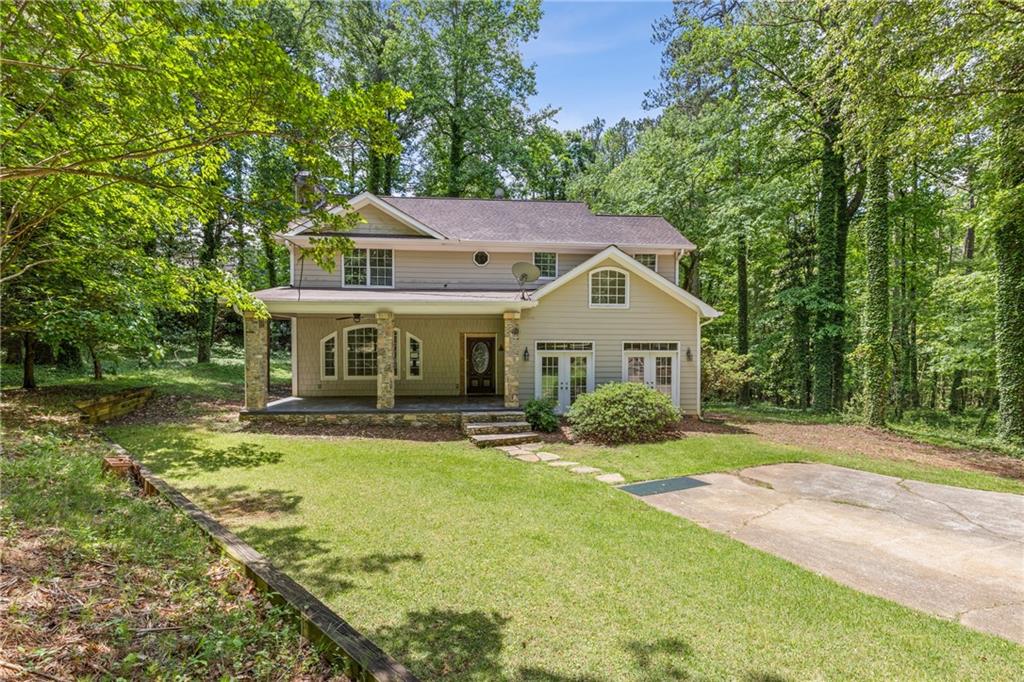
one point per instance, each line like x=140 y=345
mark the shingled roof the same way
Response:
x=536 y=222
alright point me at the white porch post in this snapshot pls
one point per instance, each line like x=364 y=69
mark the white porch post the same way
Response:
x=257 y=361
x=512 y=359
x=385 y=361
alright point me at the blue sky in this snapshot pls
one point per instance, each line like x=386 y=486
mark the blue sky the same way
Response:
x=595 y=59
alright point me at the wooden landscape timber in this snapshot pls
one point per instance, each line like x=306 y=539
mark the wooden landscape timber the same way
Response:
x=363 y=660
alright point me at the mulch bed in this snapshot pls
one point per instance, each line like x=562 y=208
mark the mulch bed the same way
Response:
x=880 y=444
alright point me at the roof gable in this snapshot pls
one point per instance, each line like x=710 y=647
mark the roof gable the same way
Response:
x=366 y=200
x=630 y=264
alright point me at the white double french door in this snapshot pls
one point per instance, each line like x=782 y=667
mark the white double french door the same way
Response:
x=564 y=376
x=657 y=369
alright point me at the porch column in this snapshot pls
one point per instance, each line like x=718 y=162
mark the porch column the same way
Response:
x=512 y=359
x=385 y=361
x=257 y=361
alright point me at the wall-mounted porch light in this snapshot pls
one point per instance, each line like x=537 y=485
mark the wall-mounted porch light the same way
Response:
x=526 y=354
x=689 y=355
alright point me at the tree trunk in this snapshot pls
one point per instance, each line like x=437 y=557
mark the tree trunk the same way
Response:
x=270 y=256
x=373 y=171
x=692 y=276
x=204 y=338
x=876 y=314
x=1009 y=247
x=28 y=360
x=97 y=366
x=742 y=313
x=828 y=304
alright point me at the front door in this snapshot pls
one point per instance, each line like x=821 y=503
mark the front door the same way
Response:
x=480 y=366
x=563 y=377
x=656 y=370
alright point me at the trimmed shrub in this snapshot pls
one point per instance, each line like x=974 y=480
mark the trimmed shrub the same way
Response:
x=541 y=414
x=621 y=413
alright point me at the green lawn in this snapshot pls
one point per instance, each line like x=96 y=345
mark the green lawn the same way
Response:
x=221 y=379
x=465 y=564
x=699 y=454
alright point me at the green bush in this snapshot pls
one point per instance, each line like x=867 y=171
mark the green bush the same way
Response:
x=621 y=413
x=541 y=414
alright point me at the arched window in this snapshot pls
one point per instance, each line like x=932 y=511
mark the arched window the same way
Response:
x=609 y=288
x=329 y=356
x=413 y=357
x=361 y=352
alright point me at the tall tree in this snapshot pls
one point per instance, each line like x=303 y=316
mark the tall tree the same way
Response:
x=876 y=312
x=470 y=87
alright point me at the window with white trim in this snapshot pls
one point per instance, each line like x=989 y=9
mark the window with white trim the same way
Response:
x=368 y=268
x=547 y=263
x=329 y=356
x=553 y=346
x=413 y=357
x=648 y=259
x=650 y=346
x=361 y=352
x=609 y=288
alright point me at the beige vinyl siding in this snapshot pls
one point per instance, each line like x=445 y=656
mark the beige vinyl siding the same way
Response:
x=565 y=315
x=442 y=339
x=306 y=273
x=456 y=270
x=667 y=267
x=380 y=224
x=568 y=261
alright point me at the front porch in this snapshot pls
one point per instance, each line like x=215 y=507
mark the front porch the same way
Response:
x=368 y=404
x=347 y=363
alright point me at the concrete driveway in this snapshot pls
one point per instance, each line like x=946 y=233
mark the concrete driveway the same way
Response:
x=952 y=552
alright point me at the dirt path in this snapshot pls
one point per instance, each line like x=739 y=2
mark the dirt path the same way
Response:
x=879 y=443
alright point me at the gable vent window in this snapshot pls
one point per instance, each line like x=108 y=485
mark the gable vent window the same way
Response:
x=368 y=268
x=481 y=258
x=648 y=259
x=547 y=263
x=609 y=288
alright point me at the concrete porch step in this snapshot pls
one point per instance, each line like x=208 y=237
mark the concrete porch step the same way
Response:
x=484 y=428
x=491 y=440
x=496 y=416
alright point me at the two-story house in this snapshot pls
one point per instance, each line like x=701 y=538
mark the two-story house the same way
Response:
x=427 y=305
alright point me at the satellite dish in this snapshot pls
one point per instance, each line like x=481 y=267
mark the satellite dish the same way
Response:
x=525 y=272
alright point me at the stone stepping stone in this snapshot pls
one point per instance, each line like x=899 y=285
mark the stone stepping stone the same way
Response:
x=528 y=457
x=611 y=479
x=547 y=456
x=585 y=470
x=532 y=447
x=510 y=450
x=562 y=463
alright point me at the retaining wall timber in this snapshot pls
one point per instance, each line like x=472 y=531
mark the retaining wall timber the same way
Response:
x=364 y=660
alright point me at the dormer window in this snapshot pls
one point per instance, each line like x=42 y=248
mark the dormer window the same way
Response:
x=547 y=263
x=368 y=268
x=609 y=288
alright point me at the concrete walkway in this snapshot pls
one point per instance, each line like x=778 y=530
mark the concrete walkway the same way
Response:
x=952 y=552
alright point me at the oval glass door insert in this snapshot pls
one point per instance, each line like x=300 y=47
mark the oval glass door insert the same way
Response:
x=481 y=357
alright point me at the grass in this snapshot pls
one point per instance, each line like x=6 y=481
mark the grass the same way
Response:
x=110 y=585
x=467 y=565
x=700 y=454
x=221 y=379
